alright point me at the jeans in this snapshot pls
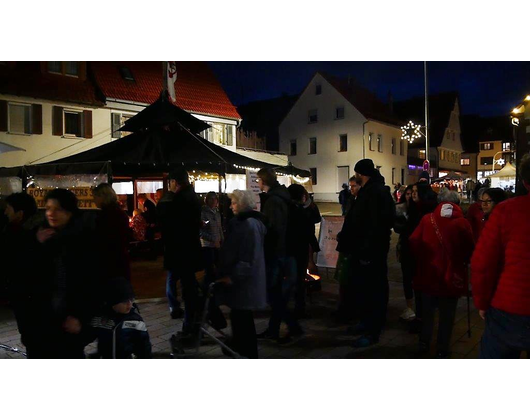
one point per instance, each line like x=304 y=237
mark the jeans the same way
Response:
x=447 y=308
x=171 y=291
x=281 y=276
x=506 y=335
x=244 y=339
x=190 y=295
x=407 y=269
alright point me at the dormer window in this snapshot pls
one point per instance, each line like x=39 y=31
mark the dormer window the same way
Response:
x=55 y=67
x=318 y=89
x=126 y=73
x=71 y=68
x=65 y=68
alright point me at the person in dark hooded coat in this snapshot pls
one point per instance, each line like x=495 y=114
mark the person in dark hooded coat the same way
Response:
x=372 y=220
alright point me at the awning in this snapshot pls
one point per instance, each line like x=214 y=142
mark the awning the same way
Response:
x=508 y=171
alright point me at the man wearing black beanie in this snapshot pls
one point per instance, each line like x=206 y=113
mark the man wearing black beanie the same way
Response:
x=179 y=214
x=372 y=220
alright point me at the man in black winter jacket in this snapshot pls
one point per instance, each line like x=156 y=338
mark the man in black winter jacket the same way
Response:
x=179 y=214
x=281 y=267
x=371 y=220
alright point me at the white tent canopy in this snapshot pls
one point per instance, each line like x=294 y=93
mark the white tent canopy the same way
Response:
x=507 y=172
x=4 y=148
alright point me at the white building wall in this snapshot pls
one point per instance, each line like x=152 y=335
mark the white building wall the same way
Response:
x=327 y=131
x=386 y=159
x=45 y=147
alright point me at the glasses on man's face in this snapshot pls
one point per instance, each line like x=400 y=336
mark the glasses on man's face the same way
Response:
x=487 y=202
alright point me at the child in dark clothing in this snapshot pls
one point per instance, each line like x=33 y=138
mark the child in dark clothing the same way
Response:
x=120 y=329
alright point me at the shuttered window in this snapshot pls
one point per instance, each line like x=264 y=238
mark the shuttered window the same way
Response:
x=20 y=118
x=36 y=119
x=3 y=115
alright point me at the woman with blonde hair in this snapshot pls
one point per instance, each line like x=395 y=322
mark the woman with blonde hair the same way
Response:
x=243 y=262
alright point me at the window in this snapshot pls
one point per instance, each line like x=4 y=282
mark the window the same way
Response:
x=126 y=73
x=486 y=160
x=229 y=135
x=380 y=143
x=19 y=119
x=464 y=162
x=71 y=68
x=343 y=143
x=313 y=116
x=393 y=176
x=506 y=147
x=339 y=113
x=448 y=135
x=55 y=67
x=454 y=137
x=401 y=148
x=370 y=143
x=292 y=151
x=318 y=89
x=67 y=68
x=422 y=154
x=313 y=175
x=313 y=146
x=393 y=146
x=486 y=146
x=118 y=120
x=402 y=176
x=73 y=123
x=442 y=154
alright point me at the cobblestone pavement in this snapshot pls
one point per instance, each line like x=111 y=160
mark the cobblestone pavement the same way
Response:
x=323 y=338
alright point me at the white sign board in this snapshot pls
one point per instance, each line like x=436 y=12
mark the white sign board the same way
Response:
x=329 y=227
x=252 y=185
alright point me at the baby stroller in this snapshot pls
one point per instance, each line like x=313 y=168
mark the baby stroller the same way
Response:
x=13 y=349
x=177 y=346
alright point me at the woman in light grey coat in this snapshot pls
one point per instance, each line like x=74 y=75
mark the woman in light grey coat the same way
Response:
x=243 y=262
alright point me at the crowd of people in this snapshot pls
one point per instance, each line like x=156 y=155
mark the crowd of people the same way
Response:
x=77 y=287
x=437 y=245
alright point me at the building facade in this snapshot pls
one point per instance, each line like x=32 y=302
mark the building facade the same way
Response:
x=56 y=109
x=332 y=125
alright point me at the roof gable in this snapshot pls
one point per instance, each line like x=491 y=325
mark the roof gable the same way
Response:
x=365 y=101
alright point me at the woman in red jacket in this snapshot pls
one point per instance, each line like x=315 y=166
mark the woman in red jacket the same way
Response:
x=500 y=276
x=442 y=245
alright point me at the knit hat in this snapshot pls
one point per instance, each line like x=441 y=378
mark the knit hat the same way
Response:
x=118 y=290
x=424 y=175
x=365 y=167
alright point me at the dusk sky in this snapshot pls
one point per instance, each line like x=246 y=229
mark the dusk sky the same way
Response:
x=486 y=88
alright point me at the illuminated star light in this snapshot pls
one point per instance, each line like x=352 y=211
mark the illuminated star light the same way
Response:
x=410 y=132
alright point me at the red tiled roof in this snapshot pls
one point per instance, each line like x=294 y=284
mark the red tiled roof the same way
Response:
x=25 y=78
x=197 y=88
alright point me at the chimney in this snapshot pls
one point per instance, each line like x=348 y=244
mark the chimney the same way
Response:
x=390 y=102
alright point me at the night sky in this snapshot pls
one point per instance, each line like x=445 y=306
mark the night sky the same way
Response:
x=486 y=88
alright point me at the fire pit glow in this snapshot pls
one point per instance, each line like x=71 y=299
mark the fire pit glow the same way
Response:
x=311 y=277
